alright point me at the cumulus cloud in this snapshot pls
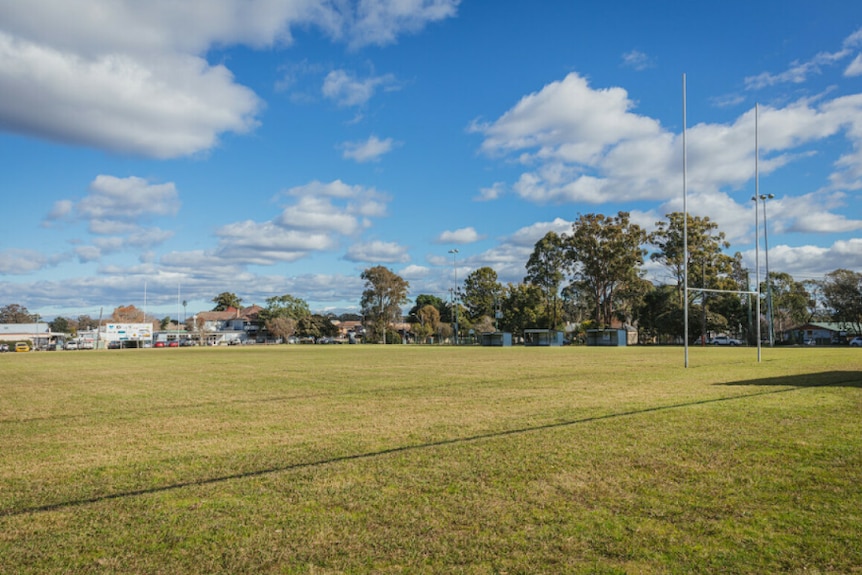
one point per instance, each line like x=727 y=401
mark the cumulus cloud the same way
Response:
x=492 y=192
x=370 y=150
x=346 y=90
x=467 y=235
x=131 y=77
x=377 y=252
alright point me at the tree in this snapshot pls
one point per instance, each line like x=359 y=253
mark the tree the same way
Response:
x=316 y=326
x=425 y=299
x=127 y=314
x=61 y=324
x=427 y=321
x=522 y=308
x=85 y=322
x=385 y=292
x=281 y=327
x=481 y=293
x=285 y=306
x=789 y=301
x=226 y=300
x=842 y=295
x=14 y=313
x=607 y=255
x=546 y=270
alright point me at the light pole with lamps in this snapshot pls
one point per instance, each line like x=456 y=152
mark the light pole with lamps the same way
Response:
x=454 y=252
x=770 y=329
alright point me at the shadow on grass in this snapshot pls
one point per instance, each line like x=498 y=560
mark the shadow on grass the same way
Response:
x=822 y=379
x=788 y=384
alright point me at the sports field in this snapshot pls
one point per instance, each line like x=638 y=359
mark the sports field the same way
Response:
x=410 y=459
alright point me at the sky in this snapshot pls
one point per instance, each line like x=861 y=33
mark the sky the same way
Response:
x=167 y=151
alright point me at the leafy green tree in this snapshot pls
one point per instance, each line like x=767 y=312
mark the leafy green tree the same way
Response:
x=481 y=293
x=286 y=306
x=14 y=313
x=385 y=292
x=607 y=255
x=789 y=301
x=842 y=295
x=61 y=324
x=226 y=300
x=546 y=269
x=427 y=321
x=425 y=299
x=522 y=308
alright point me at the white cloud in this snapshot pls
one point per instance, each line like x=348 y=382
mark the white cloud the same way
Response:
x=127 y=199
x=347 y=91
x=637 y=60
x=380 y=21
x=161 y=106
x=491 y=193
x=467 y=235
x=799 y=71
x=252 y=243
x=131 y=77
x=855 y=67
x=369 y=150
x=18 y=262
x=377 y=252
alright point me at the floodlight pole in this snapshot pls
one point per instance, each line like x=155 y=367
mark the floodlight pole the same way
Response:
x=454 y=252
x=770 y=329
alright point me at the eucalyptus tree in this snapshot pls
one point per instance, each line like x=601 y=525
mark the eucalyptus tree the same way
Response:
x=482 y=293
x=385 y=292
x=522 y=308
x=226 y=300
x=789 y=301
x=842 y=295
x=607 y=256
x=546 y=269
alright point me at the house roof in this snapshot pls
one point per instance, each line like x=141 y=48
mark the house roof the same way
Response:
x=248 y=313
x=828 y=326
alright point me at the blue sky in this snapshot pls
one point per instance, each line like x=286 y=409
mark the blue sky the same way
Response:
x=266 y=147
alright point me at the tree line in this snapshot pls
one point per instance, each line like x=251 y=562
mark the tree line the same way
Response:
x=592 y=277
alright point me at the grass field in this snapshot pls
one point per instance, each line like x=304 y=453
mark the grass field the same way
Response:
x=409 y=459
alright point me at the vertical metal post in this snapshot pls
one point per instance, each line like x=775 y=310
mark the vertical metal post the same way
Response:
x=757 y=229
x=684 y=225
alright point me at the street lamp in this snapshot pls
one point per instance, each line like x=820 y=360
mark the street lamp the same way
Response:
x=454 y=252
x=770 y=330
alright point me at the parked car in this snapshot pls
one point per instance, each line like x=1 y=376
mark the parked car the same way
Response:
x=4 y=347
x=22 y=346
x=173 y=343
x=159 y=344
x=115 y=344
x=724 y=340
x=856 y=341
x=71 y=345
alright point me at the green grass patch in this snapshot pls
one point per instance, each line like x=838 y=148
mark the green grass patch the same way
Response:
x=410 y=459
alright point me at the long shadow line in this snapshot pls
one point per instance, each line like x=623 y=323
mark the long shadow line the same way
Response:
x=372 y=454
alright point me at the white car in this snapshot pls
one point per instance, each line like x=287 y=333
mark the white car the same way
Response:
x=724 y=340
x=856 y=341
x=71 y=345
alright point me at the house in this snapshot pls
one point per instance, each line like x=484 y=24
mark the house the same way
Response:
x=229 y=326
x=820 y=333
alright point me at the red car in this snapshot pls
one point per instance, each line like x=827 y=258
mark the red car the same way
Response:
x=159 y=344
x=173 y=344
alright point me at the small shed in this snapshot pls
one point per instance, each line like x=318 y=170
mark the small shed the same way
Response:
x=497 y=339
x=607 y=337
x=543 y=337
